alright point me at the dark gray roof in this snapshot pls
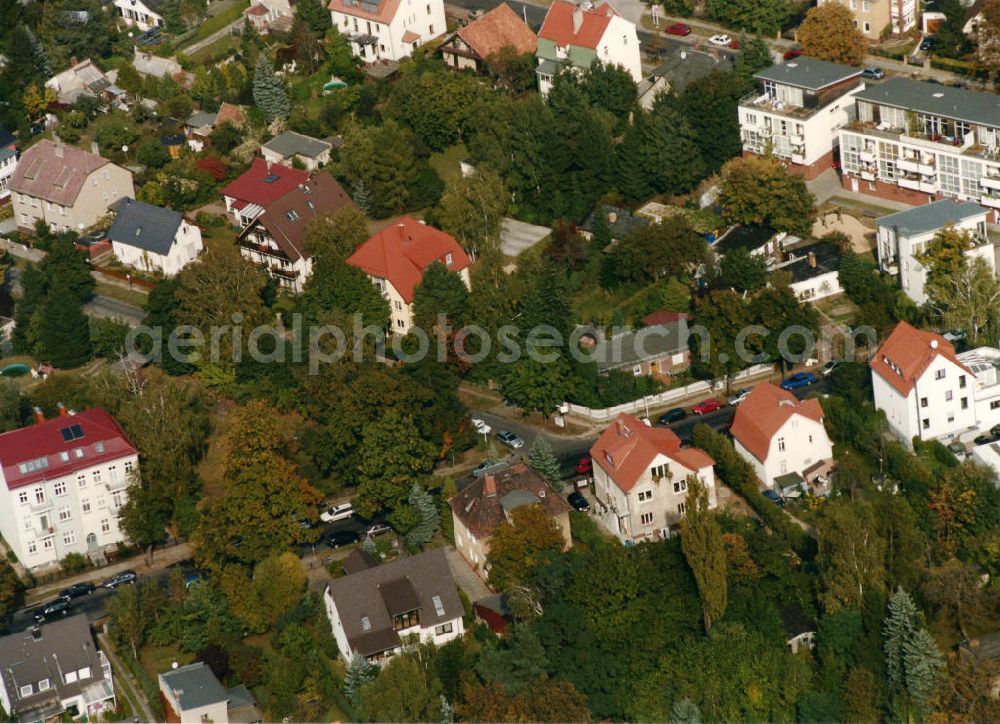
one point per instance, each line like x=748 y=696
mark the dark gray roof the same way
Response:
x=518 y=499
x=795 y=620
x=684 y=66
x=808 y=73
x=366 y=600
x=194 y=686
x=145 y=226
x=824 y=254
x=6 y=137
x=63 y=645
x=6 y=153
x=548 y=67
x=625 y=222
x=940 y=100
x=649 y=343
x=291 y=143
x=358 y=561
x=199 y=119
x=242 y=708
x=931 y=217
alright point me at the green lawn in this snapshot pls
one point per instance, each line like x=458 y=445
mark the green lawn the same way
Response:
x=129 y=296
x=217 y=22
x=446 y=163
x=157 y=659
x=218 y=236
x=222 y=46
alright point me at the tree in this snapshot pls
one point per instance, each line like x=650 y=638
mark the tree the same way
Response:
x=988 y=40
x=428 y=517
x=37 y=99
x=684 y=711
x=226 y=136
x=129 y=622
x=543 y=461
x=742 y=271
x=705 y=552
x=513 y=71
x=400 y=693
x=710 y=105
x=269 y=94
x=518 y=664
x=64 y=332
x=851 y=556
x=924 y=666
x=830 y=33
x=522 y=543
x=660 y=148
x=383 y=157
x=765 y=17
x=30 y=62
x=553 y=700
x=314 y=14
x=390 y=458
x=336 y=285
x=900 y=625
x=537 y=386
x=755 y=56
x=359 y=673
x=758 y=190
x=440 y=292
x=337 y=234
x=472 y=210
x=968 y=299
x=152 y=153
x=653 y=252
x=145 y=515
x=860 y=697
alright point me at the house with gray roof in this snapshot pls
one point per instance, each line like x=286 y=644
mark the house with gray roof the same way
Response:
x=796 y=109
x=621 y=222
x=193 y=694
x=54 y=670
x=153 y=239
x=286 y=147
x=903 y=237
x=378 y=611
x=659 y=349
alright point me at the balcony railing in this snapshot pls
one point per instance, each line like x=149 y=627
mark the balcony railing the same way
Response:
x=763 y=102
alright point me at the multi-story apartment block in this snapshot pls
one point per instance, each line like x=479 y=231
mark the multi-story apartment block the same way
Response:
x=65 y=481
x=387 y=29
x=903 y=237
x=66 y=187
x=874 y=17
x=795 y=112
x=914 y=141
x=579 y=35
x=641 y=479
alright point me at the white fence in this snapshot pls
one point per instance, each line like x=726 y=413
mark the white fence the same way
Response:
x=665 y=398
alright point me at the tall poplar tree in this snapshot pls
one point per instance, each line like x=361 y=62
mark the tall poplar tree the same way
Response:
x=701 y=541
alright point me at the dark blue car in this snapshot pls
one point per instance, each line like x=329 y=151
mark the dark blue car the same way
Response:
x=774 y=498
x=799 y=379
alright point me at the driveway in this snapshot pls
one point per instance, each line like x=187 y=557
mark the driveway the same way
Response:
x=518 y=236
x=107 y=308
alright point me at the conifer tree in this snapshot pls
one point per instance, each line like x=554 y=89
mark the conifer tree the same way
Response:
x=429 y=518
x=898 y=628
x=543 y=461
x=359 y=672
x=701 y=541
x=64 y=332
x=924 y=666
x=269 y=92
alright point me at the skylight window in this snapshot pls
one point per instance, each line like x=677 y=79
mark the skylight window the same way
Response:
x=32 y=465
x=99 y=447
x=271 y=178
x=292 y=215
x=73 y=432
x=366 y=623
x=438 y=605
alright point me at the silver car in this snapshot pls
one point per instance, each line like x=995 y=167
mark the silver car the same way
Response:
x=510 y=439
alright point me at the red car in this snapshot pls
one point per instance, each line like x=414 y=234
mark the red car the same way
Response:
x=792 y=53
x=709 y=405
x=584 y=465
x=678 y=29
x=734 y=44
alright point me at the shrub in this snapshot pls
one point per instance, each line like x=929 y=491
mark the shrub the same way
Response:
x=75 y=563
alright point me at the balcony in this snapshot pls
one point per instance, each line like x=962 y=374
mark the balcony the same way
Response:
x=867 y=175
x=798 y=158
x=797 y=139
x=868 y=156
x=913 y=165
x=990 y=182
x=763 y=102
x=992 y=201
x=119 y=484
x=37 y=507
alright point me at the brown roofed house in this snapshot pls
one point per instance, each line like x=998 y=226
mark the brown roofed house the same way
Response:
x=66 y=187
x=471 y=47
x=479 y=509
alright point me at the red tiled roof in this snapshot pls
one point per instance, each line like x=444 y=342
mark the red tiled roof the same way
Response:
x=43 y=174
x=230 y=113
x=386 y=10
x=257 y=9
x=265 y=182
x=559 y=26
x=402 y=251
x=286 y=218
x=627 y=449
x=663 y=316
x=764 y=412
x=46 y=441
x=499 y=28
x=906 y=353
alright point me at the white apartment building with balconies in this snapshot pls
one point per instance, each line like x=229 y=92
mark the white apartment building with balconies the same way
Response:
x=795 y=112
x=64 y=482
x=913 y=141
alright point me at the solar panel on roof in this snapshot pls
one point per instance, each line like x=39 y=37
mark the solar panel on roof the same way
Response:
x=73 y=432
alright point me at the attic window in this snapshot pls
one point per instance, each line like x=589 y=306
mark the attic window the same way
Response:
x=138 y=231
x=307 y=190
x=73 y=432
x=448 y=259
x=312 y=207
x=366 y=624
x=64 y=456
x=99 y=447
x=292 y=214
x=438 y=605
x=78 y=452
x=271 y=178
x=609 y=459
x=32 y=465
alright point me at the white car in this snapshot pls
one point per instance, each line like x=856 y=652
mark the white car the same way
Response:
x=721 y=39
x=481 y=427
x=337 y=512
x=739 y=397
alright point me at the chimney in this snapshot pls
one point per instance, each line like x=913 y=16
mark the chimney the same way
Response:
x=490 y=486
x=39 y=415
x=73 y=62
x=402 y=232
x=812 y=260
x=577 y=19
x=934 y=345
x=612 y=217
x=62 y=409
x=94 y=148
x=59 y=149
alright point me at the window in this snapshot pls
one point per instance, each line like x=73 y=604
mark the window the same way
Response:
x=47 y=543
x=948 y=396
x=70 y=677
x=69 y=537
x=926 y=424
x=682 y=508
x=60 y=488
x=659 y=471
x=961 y=381
x=22 y=497
x=646 y=519
x=406 y=620
x=292 y=215
x=965 y=403
x=783 y=466
x=43 y=685
x=105 y=525
x=39 y=495
x=939 y=375
x=99 y=447
x=810 y=439
x=97 y=477
x=444 y=628
x=428 y=9
x=781 y=444
x=84 y=673
x=400 y=323
x=448 y=259
x=680 y=486
x=26 y=690
x=85 y=505
x=637 y=371
x=116 y=499
x=64 y=513
x=32 y=547
x=923 y=402
x=129 y=466
x=995 y=404
x=951 y=417
x=645 y=495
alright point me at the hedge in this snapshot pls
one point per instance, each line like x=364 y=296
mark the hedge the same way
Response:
x=955 y=66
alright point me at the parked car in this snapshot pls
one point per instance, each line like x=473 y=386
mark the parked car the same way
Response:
x=830 y=366
x=342 y=538
x=337 y=512
x=739 y=396
x=486 y=466
x=379 y=527
x=799 y=379
x=995 y=430
x=510 y=439
x=59 y=607
x=928 y=42
x=986 y=439
x=77 y=590
x=585 y=465
x=578 y=501
x=774 y=498
x=720 y=39
x=481 y=427
x=192 y=579
x=709 y=405
x=873 y=73
x=675 y=415
x=958 y=449
x=792 y=53
x=678 y=29
x=120 y=579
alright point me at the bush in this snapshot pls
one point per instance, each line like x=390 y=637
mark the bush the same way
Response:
x=75 y=563
x=955 y=66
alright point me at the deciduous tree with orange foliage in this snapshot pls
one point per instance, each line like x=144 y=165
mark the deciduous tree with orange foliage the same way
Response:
x=828 y=33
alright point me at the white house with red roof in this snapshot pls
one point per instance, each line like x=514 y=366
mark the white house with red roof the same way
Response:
x=263 y=183
x=923 y=387
x=65 y=481
x=396 y=258
x=579 y=35
x=782 y=437
x=387 y=29
x=641 y=478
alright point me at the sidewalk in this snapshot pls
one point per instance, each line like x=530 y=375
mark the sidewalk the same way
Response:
x=162 y=558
